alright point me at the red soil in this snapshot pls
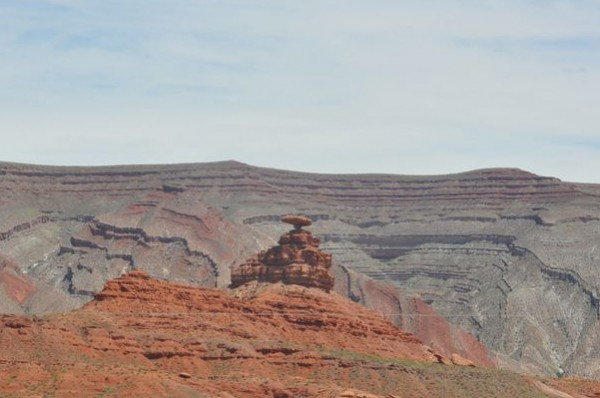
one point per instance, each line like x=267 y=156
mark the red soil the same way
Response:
x=16 y=287
x=142 y=336
x=423 y=321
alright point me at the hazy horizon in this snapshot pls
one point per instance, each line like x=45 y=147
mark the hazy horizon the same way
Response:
x=331 y=86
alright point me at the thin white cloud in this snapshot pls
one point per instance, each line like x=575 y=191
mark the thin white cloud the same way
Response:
x=387 y=86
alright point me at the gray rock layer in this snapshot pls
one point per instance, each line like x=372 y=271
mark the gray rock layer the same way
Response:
x=508 y=255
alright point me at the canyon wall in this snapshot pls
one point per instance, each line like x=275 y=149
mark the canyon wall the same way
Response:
x=507 y=255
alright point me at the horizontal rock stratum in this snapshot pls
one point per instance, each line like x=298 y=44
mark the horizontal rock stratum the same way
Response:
x=296 y=260
x=505 y=254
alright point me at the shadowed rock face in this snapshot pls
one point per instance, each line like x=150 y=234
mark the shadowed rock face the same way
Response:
x=508 y=255
x=296 y=261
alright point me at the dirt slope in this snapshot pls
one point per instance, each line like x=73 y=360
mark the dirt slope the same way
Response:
x=142 y=336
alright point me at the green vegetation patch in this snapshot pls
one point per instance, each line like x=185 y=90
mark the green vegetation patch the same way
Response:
x=414 y=378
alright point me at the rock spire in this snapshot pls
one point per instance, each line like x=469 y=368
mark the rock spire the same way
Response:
x=296 y=260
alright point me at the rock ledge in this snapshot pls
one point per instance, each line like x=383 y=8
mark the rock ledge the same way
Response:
x=296 y=260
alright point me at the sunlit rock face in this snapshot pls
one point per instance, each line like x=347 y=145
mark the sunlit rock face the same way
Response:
x=297 y=260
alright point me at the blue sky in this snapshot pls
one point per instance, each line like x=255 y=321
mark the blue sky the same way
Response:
x=342 y=86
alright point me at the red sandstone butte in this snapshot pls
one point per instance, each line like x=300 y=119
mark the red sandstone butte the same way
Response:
x=296 y=260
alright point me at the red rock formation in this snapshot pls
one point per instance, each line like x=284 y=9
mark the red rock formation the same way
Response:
x=297 y=260
x=458 y=360
x=17 y=287
x=297 y=221
x=437 y=237
x=142 y=336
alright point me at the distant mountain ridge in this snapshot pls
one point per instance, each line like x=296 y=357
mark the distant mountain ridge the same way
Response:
x=508 y=255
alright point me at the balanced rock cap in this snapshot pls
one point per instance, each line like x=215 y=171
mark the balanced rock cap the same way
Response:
x=297 y=221
x=297 y=260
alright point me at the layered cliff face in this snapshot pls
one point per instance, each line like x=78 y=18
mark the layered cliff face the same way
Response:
x=508 y=255
x=142 y=336
x=296 y=260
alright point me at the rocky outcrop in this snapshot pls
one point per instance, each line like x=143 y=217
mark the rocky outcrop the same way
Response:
x=297 y=260
x=488 y=249
x=147 y=337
